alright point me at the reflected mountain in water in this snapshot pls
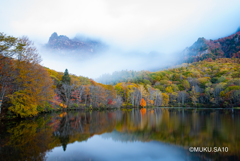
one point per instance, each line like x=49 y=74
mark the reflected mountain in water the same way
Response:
x=40 y=138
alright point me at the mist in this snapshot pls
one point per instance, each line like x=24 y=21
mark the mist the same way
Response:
x=97 y=64
x=141 y=34
x=163 y=26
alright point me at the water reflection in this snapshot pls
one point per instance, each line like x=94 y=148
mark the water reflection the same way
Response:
x=98 y=148
x=146 y=134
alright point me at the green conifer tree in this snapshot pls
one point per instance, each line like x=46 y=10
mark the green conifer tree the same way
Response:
x=65 y=78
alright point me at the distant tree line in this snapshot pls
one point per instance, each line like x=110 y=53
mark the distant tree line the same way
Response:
x=205 y=83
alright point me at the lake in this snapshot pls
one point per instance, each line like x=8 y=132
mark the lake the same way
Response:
x=124 y=134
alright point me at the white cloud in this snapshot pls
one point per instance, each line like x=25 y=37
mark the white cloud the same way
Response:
x=131 y=25
x=143 y=24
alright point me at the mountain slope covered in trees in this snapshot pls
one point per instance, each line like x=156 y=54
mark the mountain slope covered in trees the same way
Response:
x=205 y=83
x=226 y=47
x=27 y=88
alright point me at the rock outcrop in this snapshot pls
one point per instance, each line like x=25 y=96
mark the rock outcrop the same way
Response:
x=226 y=47
x=76 y=44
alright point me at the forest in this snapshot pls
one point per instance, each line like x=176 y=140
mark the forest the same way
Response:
x=209 y=83
x=27 y=88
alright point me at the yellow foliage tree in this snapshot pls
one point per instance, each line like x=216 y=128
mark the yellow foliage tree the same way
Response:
x=143 y=91
x=152 y=102
x=33 y=82
x=165 y=99
x=169 y=89
x=23 y=105
x=222 y=94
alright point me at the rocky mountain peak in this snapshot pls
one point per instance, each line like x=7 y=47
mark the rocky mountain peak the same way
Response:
x=226 y=47
x=62 y=42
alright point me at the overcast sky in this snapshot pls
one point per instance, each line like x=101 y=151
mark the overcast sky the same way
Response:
x=160 y=25
x=165 y=26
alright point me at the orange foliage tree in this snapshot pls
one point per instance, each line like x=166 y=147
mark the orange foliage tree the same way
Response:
x=143 y=102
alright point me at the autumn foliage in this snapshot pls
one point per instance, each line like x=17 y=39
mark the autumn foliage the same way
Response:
x=143 y=111
x=28 y=84
x=143 y=102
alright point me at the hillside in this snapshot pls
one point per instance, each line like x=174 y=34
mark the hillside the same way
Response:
x=226 y=47
x=205 y=83
x=27 y=88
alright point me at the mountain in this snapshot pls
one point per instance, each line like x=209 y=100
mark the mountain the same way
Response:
x=226 y=47
x=238 y=29
x=77 y=44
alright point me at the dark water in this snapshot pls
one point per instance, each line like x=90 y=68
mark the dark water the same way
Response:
x=151 y=134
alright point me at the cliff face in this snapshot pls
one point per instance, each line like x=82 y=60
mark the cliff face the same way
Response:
x=226 y=47
x=230 y=45
x=62 y=42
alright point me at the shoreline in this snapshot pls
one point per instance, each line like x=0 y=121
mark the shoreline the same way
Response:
x=113 y=109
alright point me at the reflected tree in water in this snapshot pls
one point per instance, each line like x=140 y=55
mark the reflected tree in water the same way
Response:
x=30 y=139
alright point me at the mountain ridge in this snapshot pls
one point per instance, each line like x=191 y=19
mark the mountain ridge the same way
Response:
x=225 y=47
x=77 y=44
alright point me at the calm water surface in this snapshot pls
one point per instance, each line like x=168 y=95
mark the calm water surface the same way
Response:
x=151 y=134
